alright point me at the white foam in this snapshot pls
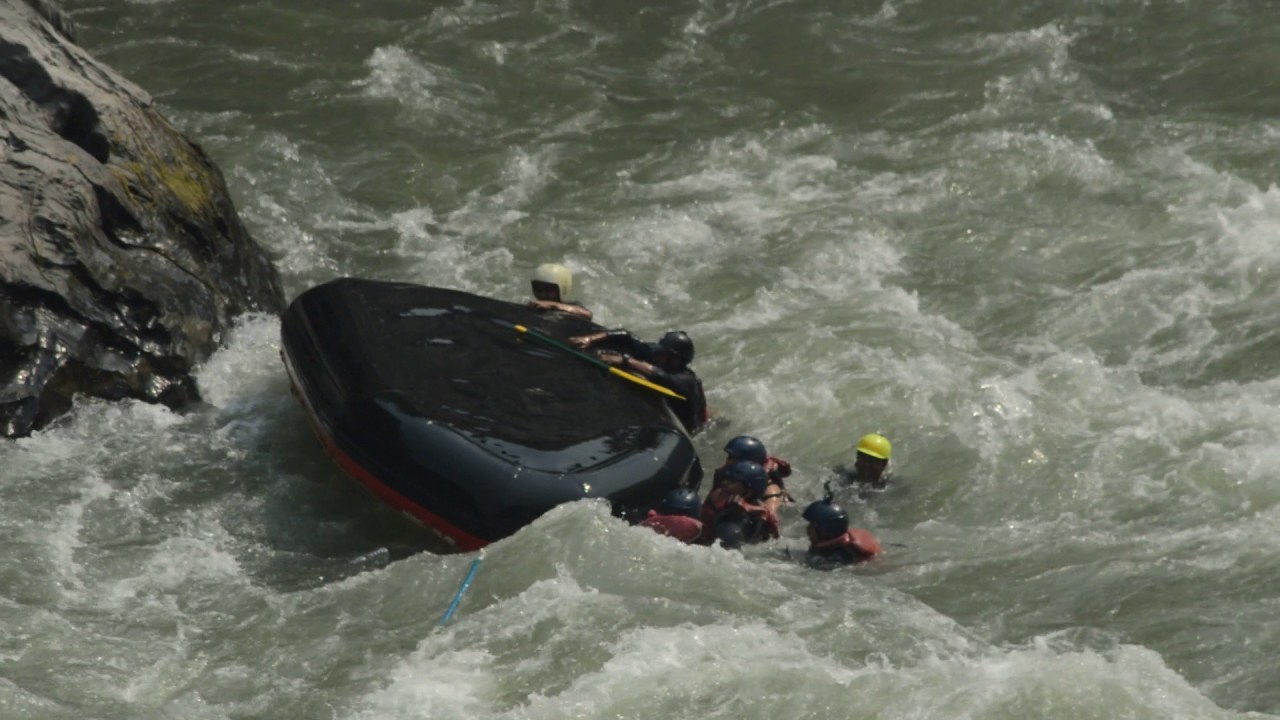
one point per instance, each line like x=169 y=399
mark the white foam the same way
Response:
x=247 y=367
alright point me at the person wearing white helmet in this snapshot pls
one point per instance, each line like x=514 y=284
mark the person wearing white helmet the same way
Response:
x=551 y=285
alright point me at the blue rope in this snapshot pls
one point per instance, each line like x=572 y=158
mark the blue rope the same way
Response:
x=466 y=582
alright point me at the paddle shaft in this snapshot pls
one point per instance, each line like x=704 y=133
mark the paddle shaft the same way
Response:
x=599 y=363
x=466 y=583
x=556 y=344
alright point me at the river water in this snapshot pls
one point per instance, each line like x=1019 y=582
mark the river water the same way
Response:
x=1035 y=244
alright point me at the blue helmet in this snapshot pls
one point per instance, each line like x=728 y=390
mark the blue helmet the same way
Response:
x=828 y=519
x=750 y=474
x=681 y=501
x=745 y=447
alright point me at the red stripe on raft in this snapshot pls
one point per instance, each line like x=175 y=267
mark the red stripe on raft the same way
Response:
x=463 y=539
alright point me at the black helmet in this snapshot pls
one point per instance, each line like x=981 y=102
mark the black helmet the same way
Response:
x=745 y=447
x=749 y=474
x=681 y=501
x=677 y=343
x=828 y=519
x=733 y=529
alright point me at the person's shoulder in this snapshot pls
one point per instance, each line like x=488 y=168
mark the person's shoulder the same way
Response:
x=848 y=477
x=889 y=483
x=680 y=527
x=659 y=520
x=863 y=542
x=690 y=381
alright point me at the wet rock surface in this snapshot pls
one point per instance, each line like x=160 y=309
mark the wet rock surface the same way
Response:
x=122 y=258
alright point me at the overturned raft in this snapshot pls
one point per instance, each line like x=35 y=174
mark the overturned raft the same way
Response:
x=433 y=400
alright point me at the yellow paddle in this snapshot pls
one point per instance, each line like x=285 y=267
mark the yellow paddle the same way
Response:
x=594 y=361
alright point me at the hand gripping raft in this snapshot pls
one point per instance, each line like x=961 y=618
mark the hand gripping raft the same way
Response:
x=599 y=363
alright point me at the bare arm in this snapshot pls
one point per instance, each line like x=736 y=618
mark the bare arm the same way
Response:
x=626 y=362
x=582 y=342
x=566 y=308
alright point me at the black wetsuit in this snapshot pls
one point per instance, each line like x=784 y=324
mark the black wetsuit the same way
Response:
x=830 y=559
x=849 y=478
x=692 y=411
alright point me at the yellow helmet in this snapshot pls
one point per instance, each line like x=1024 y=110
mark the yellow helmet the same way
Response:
x=555 y=274
x=875 y=445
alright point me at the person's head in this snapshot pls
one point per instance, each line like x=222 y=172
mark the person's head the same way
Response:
x=734 y=528
x=745 y=447
x=826 y=520
x=552 y=281
x=674 y=351
x=872 y=457
x=681 y=501
x=751 y=477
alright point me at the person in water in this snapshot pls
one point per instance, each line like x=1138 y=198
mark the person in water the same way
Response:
x=677 y=516
x=551 y=285
x=870 y=471
x=665 y=363
x=832 y=542
x=746 y=447
x=733 y=514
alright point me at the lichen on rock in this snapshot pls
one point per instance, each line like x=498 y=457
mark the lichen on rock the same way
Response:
x=122 y=259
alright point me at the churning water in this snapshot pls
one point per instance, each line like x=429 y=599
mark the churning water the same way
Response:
x=1036 y=244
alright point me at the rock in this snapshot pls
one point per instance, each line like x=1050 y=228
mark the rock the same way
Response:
x=122 y=258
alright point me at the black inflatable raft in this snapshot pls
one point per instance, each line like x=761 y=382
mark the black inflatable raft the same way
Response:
x=434 y=400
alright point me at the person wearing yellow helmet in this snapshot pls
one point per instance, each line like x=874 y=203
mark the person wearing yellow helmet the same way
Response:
x=870 y=464
x=551 y=285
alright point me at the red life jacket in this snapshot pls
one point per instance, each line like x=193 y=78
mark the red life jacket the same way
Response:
x=857 y=543
x=777 y=468
x=681 y=527
x=718 y=499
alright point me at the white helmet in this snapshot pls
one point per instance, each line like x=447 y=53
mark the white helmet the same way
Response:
x=554 y=274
